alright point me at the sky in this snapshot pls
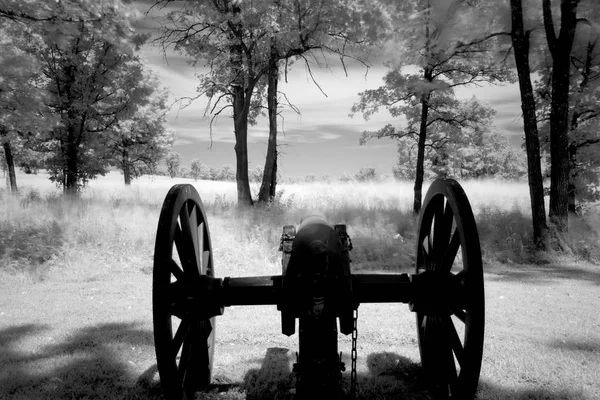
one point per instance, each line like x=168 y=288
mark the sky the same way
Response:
x=323 y=139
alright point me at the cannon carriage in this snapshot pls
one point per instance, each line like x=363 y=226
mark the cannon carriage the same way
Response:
x=317 y=288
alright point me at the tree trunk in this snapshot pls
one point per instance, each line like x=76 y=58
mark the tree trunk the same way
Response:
x=240 y=121
x=269 y=180
x=418 y=188
x=10 y=162
x=572 y=188
x=126 y=167
x=71 y=179
x=577 y=112
x=560 y=48
x=241 y=90
x=520 y=41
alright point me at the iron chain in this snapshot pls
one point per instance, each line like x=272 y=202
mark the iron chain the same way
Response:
x=354 y=356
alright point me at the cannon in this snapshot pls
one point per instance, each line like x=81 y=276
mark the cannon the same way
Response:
x=318 y=289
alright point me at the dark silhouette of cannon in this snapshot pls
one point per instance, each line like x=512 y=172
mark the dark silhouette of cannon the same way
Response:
x=317 y=288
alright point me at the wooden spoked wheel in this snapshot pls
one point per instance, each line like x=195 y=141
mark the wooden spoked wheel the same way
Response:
x=451 y=333
x=183 y=338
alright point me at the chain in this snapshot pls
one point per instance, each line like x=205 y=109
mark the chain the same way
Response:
x=354 y=356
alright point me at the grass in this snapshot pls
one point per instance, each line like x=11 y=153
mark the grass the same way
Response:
x=75 y=313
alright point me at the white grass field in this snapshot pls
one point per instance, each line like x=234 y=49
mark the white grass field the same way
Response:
x=75 y=287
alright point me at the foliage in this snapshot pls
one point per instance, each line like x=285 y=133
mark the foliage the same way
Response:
x=196 y=169
x=241 y=42
x=173 y=162
x=30 y=161
x=345 y=177
x=438 y=47
x=366 y=174
x=142 y=140
x=483 y=154
x=86 y=72
x=22 y=105
x=226 y=173
x=310 y=178
x=584 y=105
x=256 y=174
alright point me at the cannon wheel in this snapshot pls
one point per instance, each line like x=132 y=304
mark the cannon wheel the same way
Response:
x=184 y=359
x=451 y=339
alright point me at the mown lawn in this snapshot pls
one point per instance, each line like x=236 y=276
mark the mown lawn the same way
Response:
x=75 y=317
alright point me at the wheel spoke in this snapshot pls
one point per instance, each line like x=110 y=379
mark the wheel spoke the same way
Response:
x=453 y=338
x=438 y=350
x=459 y=276
x=442 y=230
x=184 y=240
x=205 y=259
x=202 y=266
x=424 y=256
x=186 y=355
x=451 y=252
x=182 y=332
x=194 y=233
x=430 y=252
x=175 y=269
x=442 y=236
x=460 y=314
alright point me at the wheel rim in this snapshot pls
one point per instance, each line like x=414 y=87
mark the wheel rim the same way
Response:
x=451 y=340
x=184 y=342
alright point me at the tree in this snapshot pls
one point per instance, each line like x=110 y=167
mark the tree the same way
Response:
x=21 y=103
x=366 y=174
x=438 y=39
x=242 y=42
x=142 y=140
x=173 y=162
x=226 y=173
x=197 y=169
x=465 y=152
x=345 y=177
x=583 y=109
x=298 y=29
x=560 y=48
x=9 y=160
x=227 y=35
x=95 y=81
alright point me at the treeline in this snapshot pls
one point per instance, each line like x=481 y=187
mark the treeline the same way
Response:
x=511 y=169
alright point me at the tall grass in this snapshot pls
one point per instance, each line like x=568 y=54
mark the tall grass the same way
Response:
x=110 y=228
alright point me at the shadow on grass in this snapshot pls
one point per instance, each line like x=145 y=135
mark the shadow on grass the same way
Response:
x=88 y=365
x=274 y=379
x=389 y=376
x=576 y=345
x=542 y=274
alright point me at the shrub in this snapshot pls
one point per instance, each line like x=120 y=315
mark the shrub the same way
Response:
x=505 y=236
x=30 y=244
x=367 y=174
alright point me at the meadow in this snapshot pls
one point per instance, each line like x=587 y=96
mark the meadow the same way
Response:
x=75 y=312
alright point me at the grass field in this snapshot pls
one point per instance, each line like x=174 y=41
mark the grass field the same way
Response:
x=75 y=312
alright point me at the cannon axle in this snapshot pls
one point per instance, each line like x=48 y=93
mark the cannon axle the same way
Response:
x=424 y=291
